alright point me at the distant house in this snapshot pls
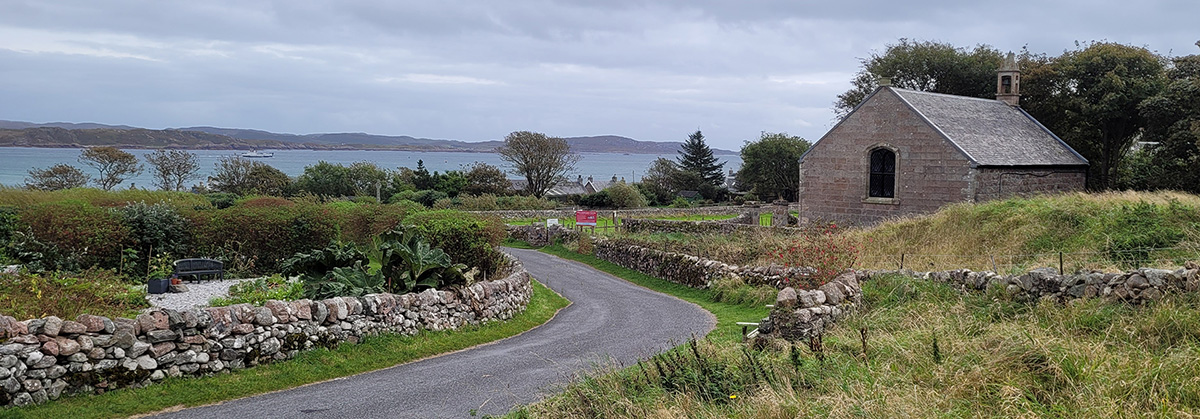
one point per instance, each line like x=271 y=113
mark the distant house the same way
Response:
x=904 y=152
x=563 y=190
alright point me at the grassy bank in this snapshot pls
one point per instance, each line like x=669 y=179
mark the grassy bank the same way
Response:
x=930 y=351
x=313 y=366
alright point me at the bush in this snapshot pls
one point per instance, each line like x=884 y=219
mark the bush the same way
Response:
x=155 y=229
x=622 y=195
x=485 y=202
x=429 y=197
x=596 y=200
x=70 y=236
x=681 y=202
x=522 y=202
x=468 y=239
x=259 y=290
x=444 y=203
x=823 y=251
x=258 y=238
x=221 y=200
x=359 y=223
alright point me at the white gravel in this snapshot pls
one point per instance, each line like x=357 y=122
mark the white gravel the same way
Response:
x=197 y=296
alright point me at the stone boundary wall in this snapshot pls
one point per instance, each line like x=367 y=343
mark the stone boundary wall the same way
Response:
x=804 y=314
x=692 y=271
x=735 y=225
x=1136 y=287
x=42 y=359
x=564 y=214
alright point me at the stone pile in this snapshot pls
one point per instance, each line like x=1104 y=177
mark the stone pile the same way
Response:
x=42 y=359
x=803 y=314
x=692 y=271
x=1137 y=286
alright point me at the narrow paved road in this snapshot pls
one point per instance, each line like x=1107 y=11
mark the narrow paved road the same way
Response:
x=609 y=320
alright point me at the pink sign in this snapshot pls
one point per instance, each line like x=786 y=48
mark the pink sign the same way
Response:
x=585 y=218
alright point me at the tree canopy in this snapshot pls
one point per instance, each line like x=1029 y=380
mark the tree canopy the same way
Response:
x=1173 y=131
x=927 y=66
x=56 y=177
x=173 y=168
x=244 y=177
x=114 y=165
x=771 y=165
x=696 y=157
x=543 y=161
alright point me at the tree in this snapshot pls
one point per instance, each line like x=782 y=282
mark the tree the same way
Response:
x=245 y=177
x=483 y=178
x=771 y=165
x=421 y=177
x=543 y=161
x=1173 y=129
x=660 y=182
x=59 y=176
x=172 y=168
x=326 y=179
x=367 y=178
x=696 y=157
x=1090 y=98
x=926 y=66
x=113 y=164
x=623 y=195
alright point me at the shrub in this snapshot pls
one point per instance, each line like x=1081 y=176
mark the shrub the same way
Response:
x=361 y=222
x=822 y=251
x=155 y=229
x=259 y=290
x=258 y=238
x=485 y=202
x=70 y=235
x=681 y=202
x=521 y=202
x=443 y=203
x=221 y=200
x=622 y=195
x=429 y=197
x=468 y=239
x=596 y=200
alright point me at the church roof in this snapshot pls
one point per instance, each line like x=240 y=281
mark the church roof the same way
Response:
x=990 y=132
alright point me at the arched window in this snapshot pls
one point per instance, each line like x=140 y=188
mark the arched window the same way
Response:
x=883 y=174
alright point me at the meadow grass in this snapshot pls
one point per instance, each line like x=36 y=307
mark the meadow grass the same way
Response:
x=930 y=351
x=373 y=353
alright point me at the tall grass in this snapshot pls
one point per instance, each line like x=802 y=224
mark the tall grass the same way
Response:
x=930 y=351
x=20 y=197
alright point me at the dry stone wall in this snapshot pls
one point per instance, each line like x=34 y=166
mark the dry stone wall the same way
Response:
x=804 y=314
x=692 y=271
x=564 y=214
x=1136 y=287
x=42 y=359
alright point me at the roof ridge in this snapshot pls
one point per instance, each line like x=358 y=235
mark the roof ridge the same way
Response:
x=947 y=95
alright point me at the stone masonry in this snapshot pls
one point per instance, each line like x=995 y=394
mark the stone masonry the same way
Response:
x=42 y=359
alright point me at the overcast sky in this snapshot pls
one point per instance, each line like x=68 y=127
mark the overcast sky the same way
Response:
x=477 y=70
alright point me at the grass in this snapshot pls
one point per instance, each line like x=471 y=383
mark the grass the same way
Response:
x=95 y=291
x=21 y=197
x=931 y=351
x=317 y=365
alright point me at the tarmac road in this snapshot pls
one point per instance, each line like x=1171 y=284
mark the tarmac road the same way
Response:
x=609 y=320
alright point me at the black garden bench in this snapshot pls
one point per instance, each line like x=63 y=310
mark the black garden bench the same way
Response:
x=198 y=267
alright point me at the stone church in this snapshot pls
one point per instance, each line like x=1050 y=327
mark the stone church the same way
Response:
x=907 y=152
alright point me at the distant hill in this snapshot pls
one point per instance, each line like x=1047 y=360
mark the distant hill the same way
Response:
x=64 y=134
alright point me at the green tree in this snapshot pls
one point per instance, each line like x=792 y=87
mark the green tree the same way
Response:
x=56 y=177
x=326 y=179
x=450 y=183
x=771 y=165
x=368 y=178
x=113 y=164
x=483 y=178
x=660 y=181
x=696 y=157
x=624 y=195
x=1090 y=98
x=925 y=66
x=543 y=161
x=172 y=168
x=421 y=178
x=246 y=177
x=1173 y=129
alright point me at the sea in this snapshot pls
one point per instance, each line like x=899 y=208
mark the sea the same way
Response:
x=15 y=162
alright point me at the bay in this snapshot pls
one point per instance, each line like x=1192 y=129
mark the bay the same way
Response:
x=15 y=162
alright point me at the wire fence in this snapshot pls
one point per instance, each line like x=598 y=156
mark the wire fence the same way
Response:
x=1064 y=262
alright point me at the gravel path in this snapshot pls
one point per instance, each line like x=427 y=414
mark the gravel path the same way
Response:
x=197 y=296
x=609 y=320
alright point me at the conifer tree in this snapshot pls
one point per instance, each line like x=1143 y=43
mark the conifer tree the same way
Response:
x=696 y=157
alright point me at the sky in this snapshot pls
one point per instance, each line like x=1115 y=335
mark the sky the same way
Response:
x=478 y=70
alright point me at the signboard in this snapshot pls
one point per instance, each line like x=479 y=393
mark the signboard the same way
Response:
x=551 y=222
x=585 y=218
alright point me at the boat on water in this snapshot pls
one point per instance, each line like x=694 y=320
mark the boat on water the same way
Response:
x=257 y=154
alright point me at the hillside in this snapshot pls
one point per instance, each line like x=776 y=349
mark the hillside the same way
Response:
x=63 y=134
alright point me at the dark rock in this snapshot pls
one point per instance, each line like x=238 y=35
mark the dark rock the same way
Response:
x=156 y=336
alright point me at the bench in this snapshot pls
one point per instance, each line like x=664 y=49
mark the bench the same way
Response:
x=197 y=267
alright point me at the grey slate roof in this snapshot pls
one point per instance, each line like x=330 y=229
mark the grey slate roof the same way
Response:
x=562 y=189
x=990 y=132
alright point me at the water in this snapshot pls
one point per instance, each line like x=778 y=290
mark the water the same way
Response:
x=15 y=162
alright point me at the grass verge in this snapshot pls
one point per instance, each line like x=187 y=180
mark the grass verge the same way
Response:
x=373 y=353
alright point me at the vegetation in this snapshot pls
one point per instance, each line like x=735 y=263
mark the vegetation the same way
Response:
x=56 y=177
x=771 y=165
x=173 y=168
x=696 y=157
x=99 y=292
x=373 y=353
x=923 y=349
x=543 y=161
x=257 y=291
x=241 y=176
x=113 y=164
x=1172 y=159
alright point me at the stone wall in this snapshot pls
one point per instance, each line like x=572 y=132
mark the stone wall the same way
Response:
x=993 y=183
x=692 y=271
x=803 y=314
x=42 y=359
x=736 y=225
x=1135 y=287
x=564 y=214
x=541 y=236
